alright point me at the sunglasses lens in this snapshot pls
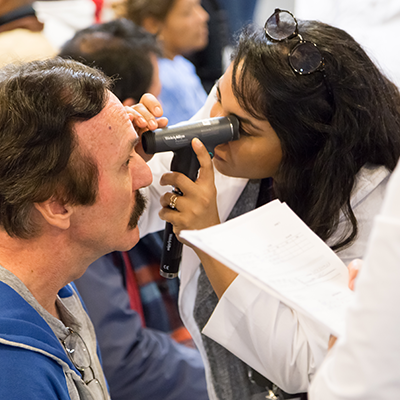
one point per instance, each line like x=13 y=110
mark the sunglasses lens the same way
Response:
x=280 y=25
x=305 y=58
x=77 y=350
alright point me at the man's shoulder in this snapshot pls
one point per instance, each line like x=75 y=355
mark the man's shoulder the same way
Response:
x=32 y=351
x=28 y=374
x=22 y=327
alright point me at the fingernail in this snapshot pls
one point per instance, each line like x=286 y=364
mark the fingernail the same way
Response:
x=196 y=141
x=153 y=124
x=158 y=111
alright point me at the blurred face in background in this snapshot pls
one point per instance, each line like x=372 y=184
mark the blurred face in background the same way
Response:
x=185 y=28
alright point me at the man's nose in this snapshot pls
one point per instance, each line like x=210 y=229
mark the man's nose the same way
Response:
x=141 y=174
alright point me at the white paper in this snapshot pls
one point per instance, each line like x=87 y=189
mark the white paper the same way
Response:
x=280 y=254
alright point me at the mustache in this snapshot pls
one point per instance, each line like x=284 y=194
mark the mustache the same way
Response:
x=138 y=209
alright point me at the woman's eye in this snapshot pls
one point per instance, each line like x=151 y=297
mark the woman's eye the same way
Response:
x=242 y=131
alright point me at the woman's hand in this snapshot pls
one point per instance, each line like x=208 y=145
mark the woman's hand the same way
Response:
x=197 y=207
x=354 y=268
x=146 y=115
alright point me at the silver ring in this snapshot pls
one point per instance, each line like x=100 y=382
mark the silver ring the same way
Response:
x=172 y=201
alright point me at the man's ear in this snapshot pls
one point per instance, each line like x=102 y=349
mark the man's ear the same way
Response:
x=55 y=213
x=152 y=25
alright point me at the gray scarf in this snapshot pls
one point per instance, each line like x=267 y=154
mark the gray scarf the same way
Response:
x=229 y=373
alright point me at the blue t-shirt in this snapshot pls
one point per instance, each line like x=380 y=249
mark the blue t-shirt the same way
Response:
x=182 y=93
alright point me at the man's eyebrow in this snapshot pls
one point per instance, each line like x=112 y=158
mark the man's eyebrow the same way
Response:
x=132 y=143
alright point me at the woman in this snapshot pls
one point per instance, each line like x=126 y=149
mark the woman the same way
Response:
x=320 y=130
x=181 y=27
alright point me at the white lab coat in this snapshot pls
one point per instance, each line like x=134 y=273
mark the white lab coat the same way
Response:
x=364 y=364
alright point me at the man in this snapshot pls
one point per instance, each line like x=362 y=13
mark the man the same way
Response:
x=138 y=362
x=69 y=193
x=122 y=50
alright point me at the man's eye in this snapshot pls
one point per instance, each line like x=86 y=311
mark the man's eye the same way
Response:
x=127 y=162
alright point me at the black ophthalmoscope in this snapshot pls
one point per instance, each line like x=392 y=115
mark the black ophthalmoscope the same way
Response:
x=178 y=138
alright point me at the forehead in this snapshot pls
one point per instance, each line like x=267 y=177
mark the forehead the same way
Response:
x=225 y=88
x=231 y=104
x=248 y=91
x=108 y=128
x=183 y=4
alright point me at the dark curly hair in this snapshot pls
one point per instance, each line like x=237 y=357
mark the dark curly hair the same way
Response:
x=328 y=127
x=138 y=10
x=121 y=49
x=39 y=153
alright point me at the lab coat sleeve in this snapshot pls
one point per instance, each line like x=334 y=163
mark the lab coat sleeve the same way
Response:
x=269 y=336
x=365 y=362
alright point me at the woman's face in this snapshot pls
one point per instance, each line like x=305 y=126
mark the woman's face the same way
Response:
x=185 y=28
x=258 y=153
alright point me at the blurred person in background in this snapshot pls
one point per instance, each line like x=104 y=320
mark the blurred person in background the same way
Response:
x=240 y=13
x=209 y=62
x=62 y=18
x=122 y=50
x=181 y=28
x=21 y=33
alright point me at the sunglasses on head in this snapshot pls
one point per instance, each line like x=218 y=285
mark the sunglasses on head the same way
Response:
x=305 y=57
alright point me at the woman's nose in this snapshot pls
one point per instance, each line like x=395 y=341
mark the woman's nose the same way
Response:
x=217 y=111
x=203 y=14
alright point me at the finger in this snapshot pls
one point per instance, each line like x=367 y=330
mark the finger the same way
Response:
x=175 y=217
x=177 y=180
x=165 y=199
x=162 y=122
x=354 y=268
x=206 y=165
x=141 y=117
x=173 y=201
x=332 y=341
x=152 y=104
x=170 y=215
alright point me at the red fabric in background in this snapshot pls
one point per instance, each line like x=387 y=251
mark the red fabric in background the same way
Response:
x=133 y=288
x=99 y=6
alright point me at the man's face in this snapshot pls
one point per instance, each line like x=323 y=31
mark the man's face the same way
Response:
x=111 y=223
x=185 y=28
